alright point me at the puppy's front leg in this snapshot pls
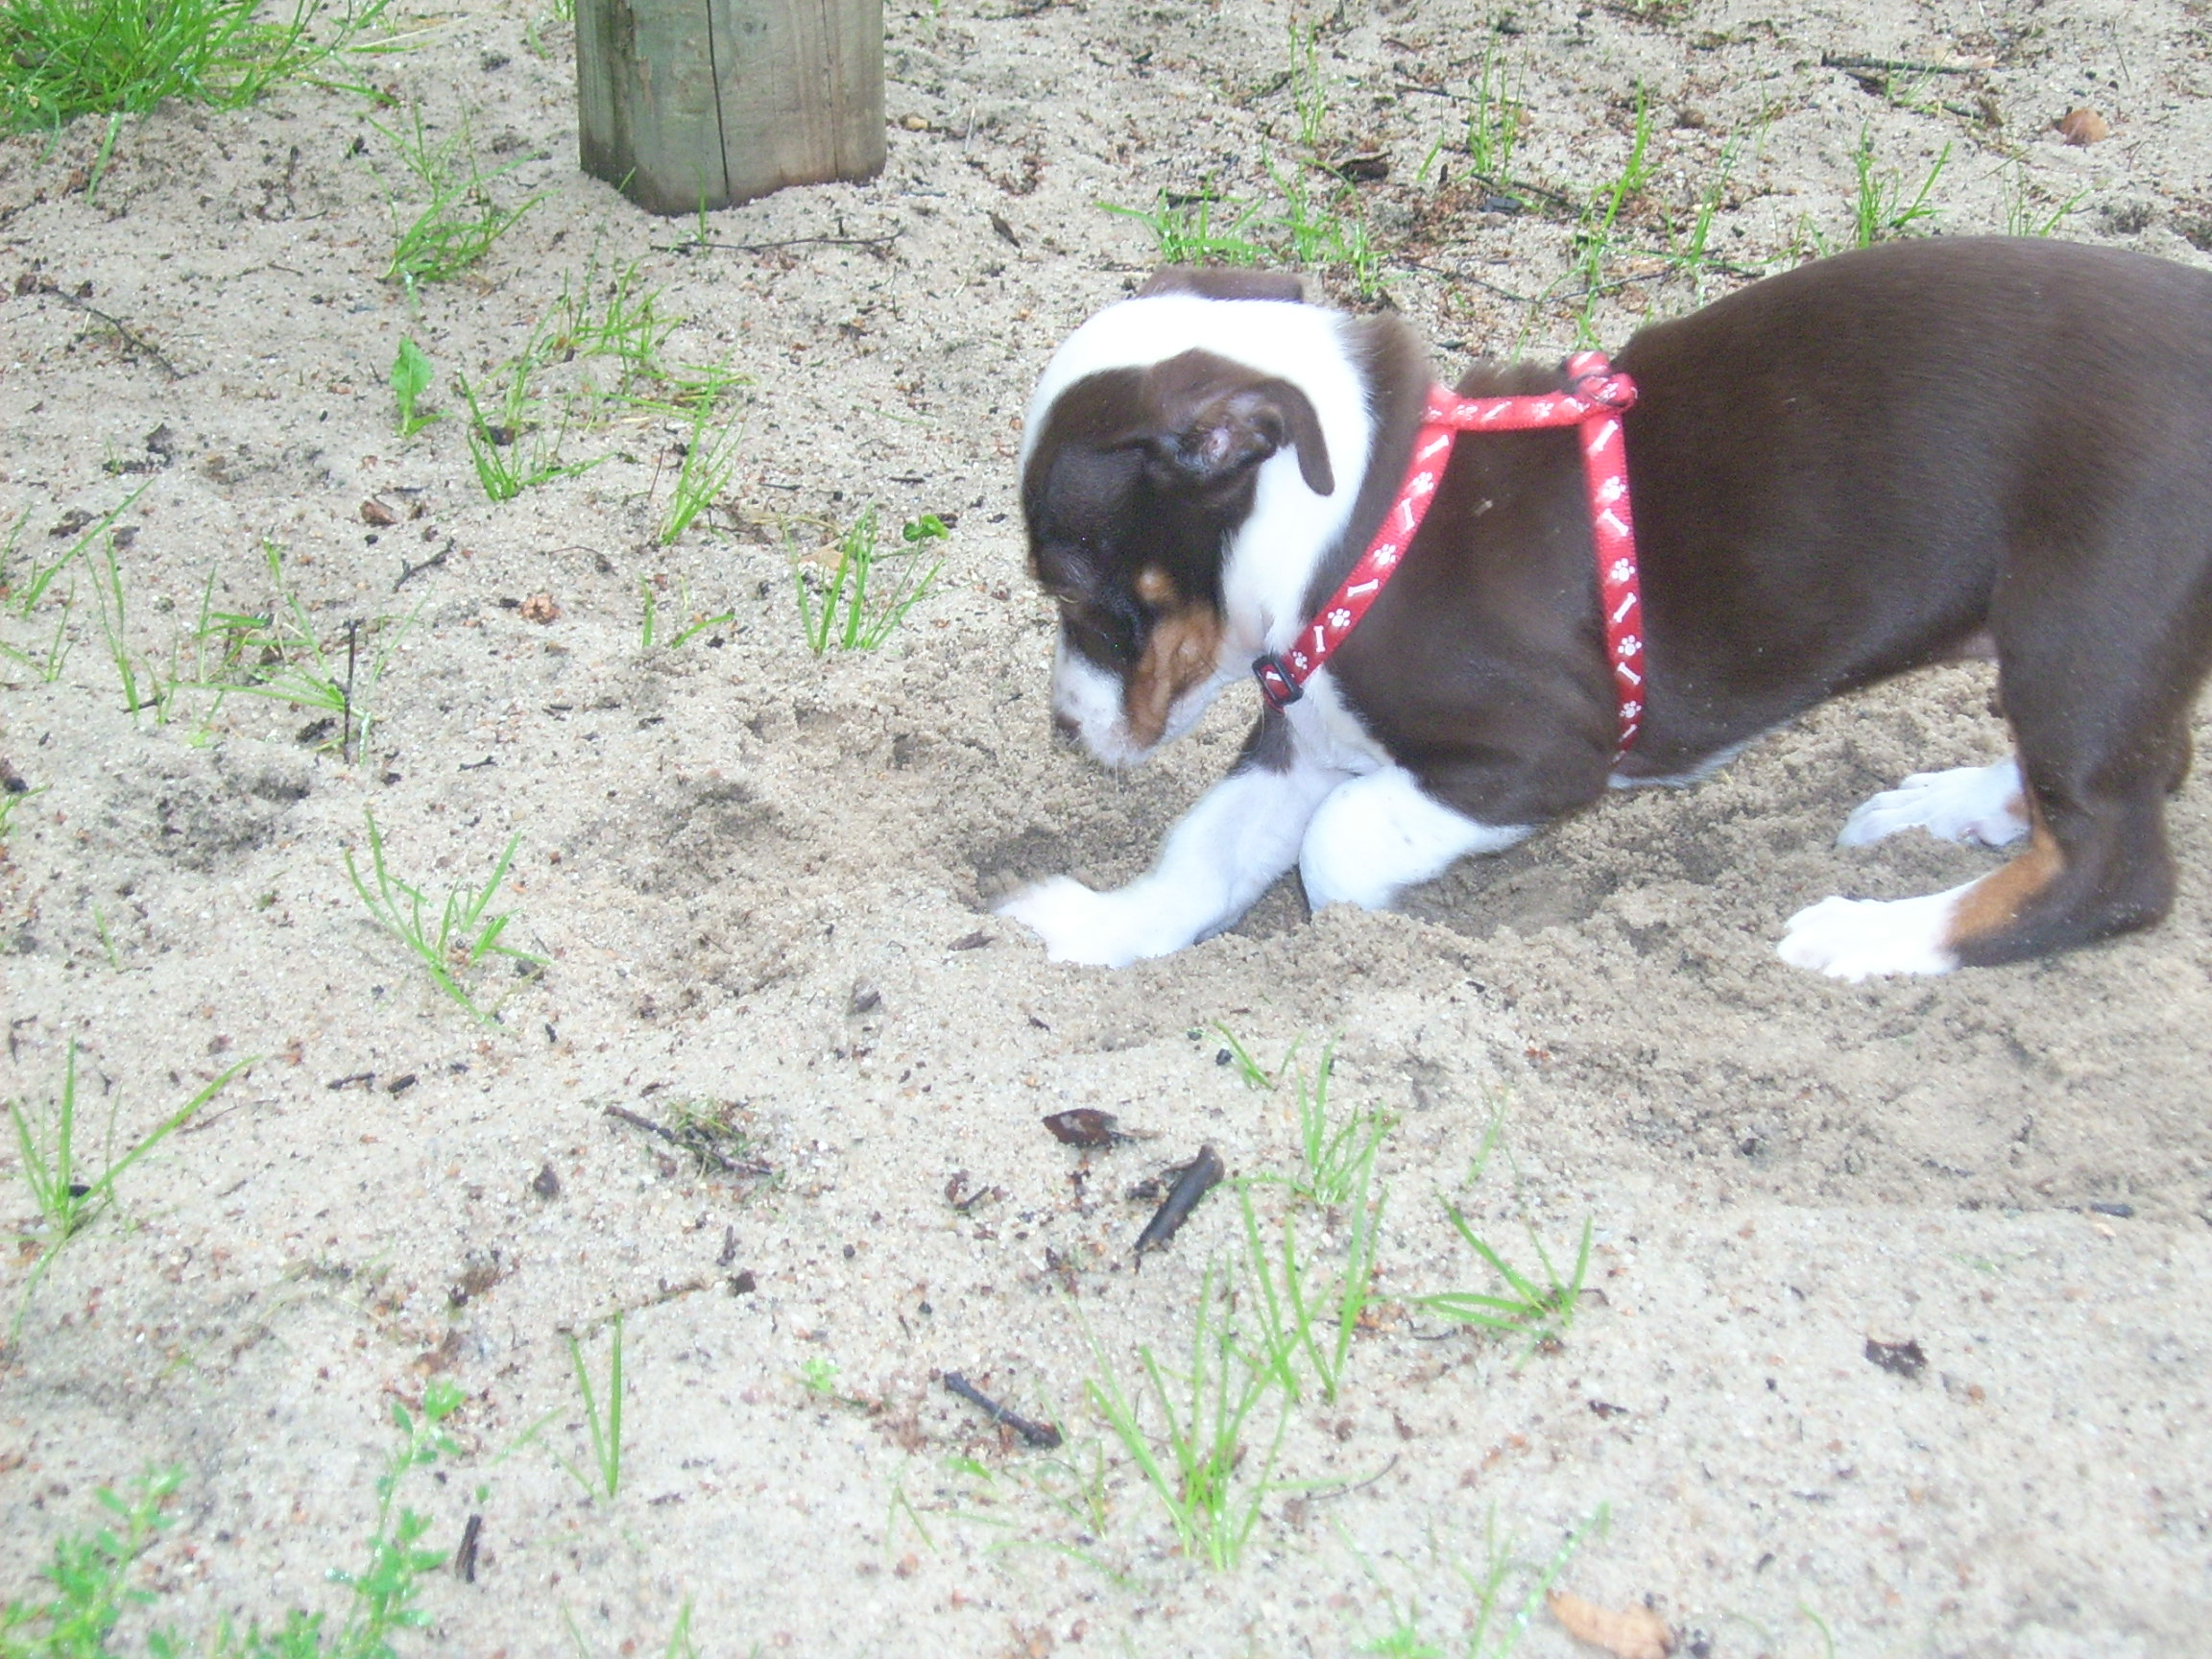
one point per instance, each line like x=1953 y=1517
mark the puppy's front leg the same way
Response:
x=1380 y=835
x=1243 y=833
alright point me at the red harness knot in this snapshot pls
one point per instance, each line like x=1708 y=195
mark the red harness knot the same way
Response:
x=1592 y=401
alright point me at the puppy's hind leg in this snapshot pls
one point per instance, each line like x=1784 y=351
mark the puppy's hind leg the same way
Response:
x=1980 y=804
x=1219 y=857
x=2096 y=864
x=2101 y=872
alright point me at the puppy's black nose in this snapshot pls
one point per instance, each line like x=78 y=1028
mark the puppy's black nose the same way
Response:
x=1064 y=727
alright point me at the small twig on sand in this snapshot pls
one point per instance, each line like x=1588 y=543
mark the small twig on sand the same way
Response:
x=1041 y=1435
x=1896 y=65
x=875 y=242
x=1342 y=1491
x=1468 y=276
x=408 y=572
x=694 y=1144
x=131 y=338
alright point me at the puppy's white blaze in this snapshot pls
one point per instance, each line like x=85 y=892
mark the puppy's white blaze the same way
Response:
x=1981 y=803
x=1242 y=834
x=1858 y=938
x=1086 y=694
x=1377 y=835
x=1091 y=698
x=1271 y=556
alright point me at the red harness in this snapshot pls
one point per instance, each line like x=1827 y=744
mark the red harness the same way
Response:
x=1594 y=400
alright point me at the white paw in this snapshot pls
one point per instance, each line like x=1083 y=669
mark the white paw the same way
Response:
x=1080 y=926
x=1854 y=938
x=1965 y=804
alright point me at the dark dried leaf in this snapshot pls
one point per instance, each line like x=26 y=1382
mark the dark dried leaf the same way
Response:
x=1085 y=1126
x=1905 y=1357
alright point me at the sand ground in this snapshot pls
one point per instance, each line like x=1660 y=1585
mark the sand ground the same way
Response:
x=761 y=881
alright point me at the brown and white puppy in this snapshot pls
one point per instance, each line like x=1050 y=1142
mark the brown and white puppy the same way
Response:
x=1924 y=451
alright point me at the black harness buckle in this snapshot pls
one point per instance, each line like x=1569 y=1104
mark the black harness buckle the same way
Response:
x=1276 y=684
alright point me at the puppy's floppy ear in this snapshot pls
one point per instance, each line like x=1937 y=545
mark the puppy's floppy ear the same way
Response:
x=1228 y=431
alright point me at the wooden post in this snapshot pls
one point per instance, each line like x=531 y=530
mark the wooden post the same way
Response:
x=694 y=104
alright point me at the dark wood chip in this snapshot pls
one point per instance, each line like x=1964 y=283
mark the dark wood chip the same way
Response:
x=1199 y=1177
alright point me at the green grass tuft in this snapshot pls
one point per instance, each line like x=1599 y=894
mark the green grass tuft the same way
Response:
x=1298 y=1319
x=653 y=634
x=468 y=932
x=850 y=618
x=280 y=656
x=1879 y=209
x=54 y=1169
x=1198 y=1461
x=457 y=221
x=1540 y=1312
x=605 y=1478
x=72 y=57
x=1494 y=124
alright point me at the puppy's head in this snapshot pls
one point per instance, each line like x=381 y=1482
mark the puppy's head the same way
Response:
x=1136 y=479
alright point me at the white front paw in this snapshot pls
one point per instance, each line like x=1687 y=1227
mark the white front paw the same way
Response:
x=1965 y=803
x=1854 y=938
x=1078 y=925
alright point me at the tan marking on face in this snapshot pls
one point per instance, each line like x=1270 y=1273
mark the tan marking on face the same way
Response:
x=1181 y=653
x=1996 y=901
x=1155 y=587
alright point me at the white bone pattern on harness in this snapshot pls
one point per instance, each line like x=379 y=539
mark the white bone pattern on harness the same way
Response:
x=1594 y=406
